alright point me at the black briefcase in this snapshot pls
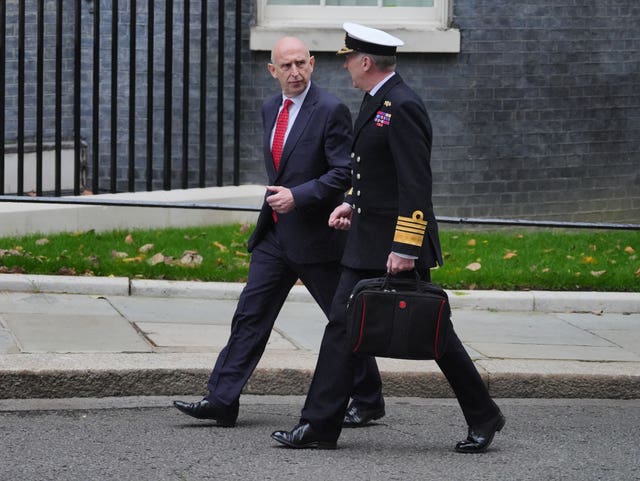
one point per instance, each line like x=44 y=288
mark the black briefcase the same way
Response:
x=400 y=318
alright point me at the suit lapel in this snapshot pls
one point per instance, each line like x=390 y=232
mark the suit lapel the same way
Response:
x=271 y=114
x=374 y=104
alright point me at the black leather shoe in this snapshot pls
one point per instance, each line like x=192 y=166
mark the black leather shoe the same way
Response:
x=205 y=410
x=481 y=435
x=357 y=418
x=302 y=437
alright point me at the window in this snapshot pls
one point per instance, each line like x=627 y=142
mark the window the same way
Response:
x=422 y=24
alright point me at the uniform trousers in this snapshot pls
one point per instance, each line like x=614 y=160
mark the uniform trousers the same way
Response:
x=271 y=277
x=329 y=392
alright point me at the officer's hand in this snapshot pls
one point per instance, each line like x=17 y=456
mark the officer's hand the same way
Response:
x=397 y=264
x=340 y=218
x=281 y=199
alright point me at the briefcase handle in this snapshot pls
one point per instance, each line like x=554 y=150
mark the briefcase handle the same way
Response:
x=387 y=284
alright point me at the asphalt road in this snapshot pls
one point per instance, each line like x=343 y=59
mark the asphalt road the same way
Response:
x=144 y=439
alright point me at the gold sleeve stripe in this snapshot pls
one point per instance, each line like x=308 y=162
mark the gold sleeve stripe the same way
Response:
x=417 y=228
x=410 y=230
x=417 y=218
x=350 y=191
x=405 y=238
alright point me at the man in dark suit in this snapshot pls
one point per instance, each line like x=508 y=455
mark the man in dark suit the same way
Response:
x=392 y=228
x=307 y=134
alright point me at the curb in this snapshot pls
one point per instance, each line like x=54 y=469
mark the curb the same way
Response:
x=542 y=301
x=180 y=374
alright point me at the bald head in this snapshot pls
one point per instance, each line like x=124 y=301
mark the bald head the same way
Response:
x=286 y=44
x=292 y=65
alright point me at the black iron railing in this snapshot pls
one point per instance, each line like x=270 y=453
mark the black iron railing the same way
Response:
x=244 y=208
x=130 y=131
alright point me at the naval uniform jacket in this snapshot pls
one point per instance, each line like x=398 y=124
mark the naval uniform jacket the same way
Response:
x=315 y=166
x=392 y=183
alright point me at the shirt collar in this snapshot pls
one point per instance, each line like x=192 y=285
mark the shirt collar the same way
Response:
x=298 y=99
x=379 y=85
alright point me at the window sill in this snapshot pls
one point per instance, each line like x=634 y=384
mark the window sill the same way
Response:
x=330 y=39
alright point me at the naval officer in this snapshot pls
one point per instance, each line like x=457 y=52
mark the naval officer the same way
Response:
x=391 y=228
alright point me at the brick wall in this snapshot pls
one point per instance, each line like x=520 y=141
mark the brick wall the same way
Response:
x=537 y=117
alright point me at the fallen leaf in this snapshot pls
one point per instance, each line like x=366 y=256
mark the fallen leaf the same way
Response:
x=93 y=259
x=638 y=273
x=589 y=260
x=510 y=255
x=42 y=242
x=471 y=242
x=546 y=269
x=9 y=252
x=189 y=237
x=474 y=266
x=133 y=259
x=244 y=228
x=190 y=258
x=520 y=236
x=67 y=271
x=220 y=246
x=128 y=239
x=156 y=259
x=12 y=270
x=119 y=255
x=597 y=273
x=629 y=250
x=593 y=247
x=146 y=248
x=242 y=254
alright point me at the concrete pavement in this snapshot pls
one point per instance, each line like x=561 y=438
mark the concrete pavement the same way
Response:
x=81 y=336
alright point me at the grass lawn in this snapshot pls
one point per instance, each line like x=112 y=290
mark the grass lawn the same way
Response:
x=522 y=259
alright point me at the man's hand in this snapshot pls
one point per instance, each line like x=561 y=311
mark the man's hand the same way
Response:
x=397 y=264
x=340 y=218
x=281 y=200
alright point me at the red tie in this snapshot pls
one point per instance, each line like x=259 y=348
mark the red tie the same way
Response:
x=278 y=136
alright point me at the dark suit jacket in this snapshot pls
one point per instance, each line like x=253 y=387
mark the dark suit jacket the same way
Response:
x=315 y=165
x=392 y=182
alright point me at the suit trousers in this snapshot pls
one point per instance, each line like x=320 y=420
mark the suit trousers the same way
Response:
x=329 y=392
x=271 y=277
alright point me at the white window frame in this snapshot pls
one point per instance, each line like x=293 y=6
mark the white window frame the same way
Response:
x=422 y=29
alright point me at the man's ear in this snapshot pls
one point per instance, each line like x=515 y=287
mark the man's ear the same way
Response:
x=272 y=69
x=366 y=63
x=312 y=62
